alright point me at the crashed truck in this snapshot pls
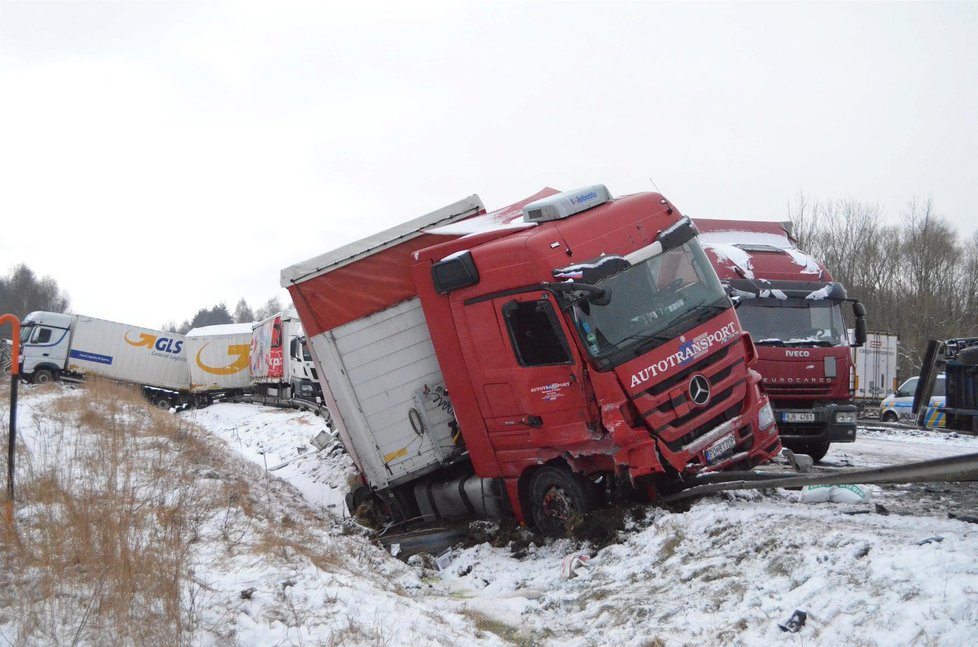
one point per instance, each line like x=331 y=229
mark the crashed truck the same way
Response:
x=957 y=360
x=58 y=346
x=791 y=306
x=531 y=360
x=281 y=364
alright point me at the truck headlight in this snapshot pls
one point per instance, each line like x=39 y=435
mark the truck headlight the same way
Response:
x=765 y=417
x=846 y=417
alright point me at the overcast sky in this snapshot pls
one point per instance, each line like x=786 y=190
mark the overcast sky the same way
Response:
x=157 y=158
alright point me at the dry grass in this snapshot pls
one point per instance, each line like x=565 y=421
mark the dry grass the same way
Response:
x=105 y=519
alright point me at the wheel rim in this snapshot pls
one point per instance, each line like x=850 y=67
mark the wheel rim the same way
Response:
x=556 y=508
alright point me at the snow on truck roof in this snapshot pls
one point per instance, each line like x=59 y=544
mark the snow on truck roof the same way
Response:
x=221 y=329
x=735 y=241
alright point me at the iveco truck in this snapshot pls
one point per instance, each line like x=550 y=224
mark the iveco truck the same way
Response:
x=792 y=308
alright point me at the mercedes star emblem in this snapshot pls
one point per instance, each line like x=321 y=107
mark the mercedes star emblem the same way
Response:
x=699 y=390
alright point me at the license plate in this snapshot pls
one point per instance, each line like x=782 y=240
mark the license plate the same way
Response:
x=719 y=448
x=797 y=416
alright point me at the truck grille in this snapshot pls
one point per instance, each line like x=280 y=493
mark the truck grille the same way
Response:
x=797 y=390
x=668 y=414
x=698 y=367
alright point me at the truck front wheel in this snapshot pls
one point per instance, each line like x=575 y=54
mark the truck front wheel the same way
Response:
x=42 y=376
x=558 y=499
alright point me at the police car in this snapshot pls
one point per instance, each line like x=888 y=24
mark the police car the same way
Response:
x=897 y=406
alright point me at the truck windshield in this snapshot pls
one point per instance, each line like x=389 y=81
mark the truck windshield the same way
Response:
x=793 y=322
x=25 y=332
x=650 y=303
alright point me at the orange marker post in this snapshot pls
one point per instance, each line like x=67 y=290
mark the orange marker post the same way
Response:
x=14 y=379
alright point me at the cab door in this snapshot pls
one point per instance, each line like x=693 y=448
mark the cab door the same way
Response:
x=45 y=346
x=527 y=374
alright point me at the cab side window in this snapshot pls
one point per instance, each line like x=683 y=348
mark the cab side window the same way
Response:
x=42 y=336
x=536 y=336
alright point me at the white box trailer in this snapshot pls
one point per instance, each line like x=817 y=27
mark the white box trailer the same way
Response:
x=875 y=367
x=218 y=357
x=56 y=344
x=373 y=349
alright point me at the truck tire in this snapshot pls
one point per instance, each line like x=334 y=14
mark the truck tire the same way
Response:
x=889 y=416
x=42 y=376
x=558 y=498
x=162 y=402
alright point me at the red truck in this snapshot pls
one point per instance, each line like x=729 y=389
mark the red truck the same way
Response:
x=532 y=359
x=788 y=302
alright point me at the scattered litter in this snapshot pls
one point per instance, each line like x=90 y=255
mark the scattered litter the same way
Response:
x=880 y=509
x=930 y=540
x=444 y=560
x=834 y=493
x=575 y=566
x=847 y=494
x=967 y=518
x=816 y=493
x=247 y=593
x=322 y=439
x=795 y=622
x=395 y=550
x=801 y=462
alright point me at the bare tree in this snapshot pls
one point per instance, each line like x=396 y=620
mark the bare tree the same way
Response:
x=22 y=293
x=271 y=307
x=243 y=313
x=917 y=280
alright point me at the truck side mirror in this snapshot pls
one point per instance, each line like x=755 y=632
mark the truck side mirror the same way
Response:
x=859 y=310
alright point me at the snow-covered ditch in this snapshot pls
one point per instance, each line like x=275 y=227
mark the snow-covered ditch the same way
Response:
x=727 y=570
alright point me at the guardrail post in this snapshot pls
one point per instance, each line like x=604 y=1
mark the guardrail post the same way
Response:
x=12 y=439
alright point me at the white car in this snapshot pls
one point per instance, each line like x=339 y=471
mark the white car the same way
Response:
x=897 y=406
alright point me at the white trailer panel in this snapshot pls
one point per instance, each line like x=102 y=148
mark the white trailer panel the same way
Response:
x=385 y=391
x=875 y=366
x=128 y=353
x=219 y=357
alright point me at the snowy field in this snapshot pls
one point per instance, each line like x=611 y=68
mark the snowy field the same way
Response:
x=724 y=570
x=727 y=571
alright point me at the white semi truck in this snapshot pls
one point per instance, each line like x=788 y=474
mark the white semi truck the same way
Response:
x=69 y=347
x=281 y=366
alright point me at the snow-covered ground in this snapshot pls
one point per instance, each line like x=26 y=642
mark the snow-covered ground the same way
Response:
x=728 y=570
x=724 y=570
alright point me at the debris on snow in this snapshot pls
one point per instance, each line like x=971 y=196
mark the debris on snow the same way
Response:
x=795 y=622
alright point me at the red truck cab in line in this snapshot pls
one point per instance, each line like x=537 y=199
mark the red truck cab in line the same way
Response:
x=579 y=342
x=789 y=303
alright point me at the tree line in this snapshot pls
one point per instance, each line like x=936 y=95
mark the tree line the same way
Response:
x=918 y=279
x=219 y=314
x=23 y=292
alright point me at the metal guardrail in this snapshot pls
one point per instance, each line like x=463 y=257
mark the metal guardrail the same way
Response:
x=954 y=468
